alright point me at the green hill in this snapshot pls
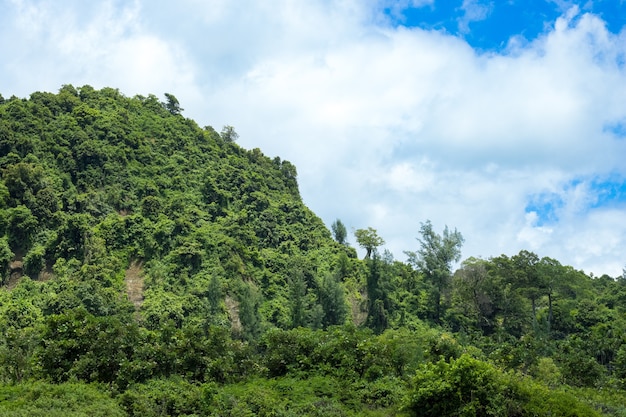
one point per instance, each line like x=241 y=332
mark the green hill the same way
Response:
x=95 y=183
x=154 y=267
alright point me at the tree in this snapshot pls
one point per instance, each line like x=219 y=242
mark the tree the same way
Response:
x=228 y=134
x=527 y=279
x=249 y=302
x=333 y=301
x=377 y=292
x=369 y=240
x=6 y=255
x=339 y=232
x=477 y=293
x=551 y=273
x=297 y=294
x=22 y=225
x=513 y=315
x=462 y=387
x=16 y=351
x=172 y=105
x=34 y=261
x=214 y=297
x=434 y=259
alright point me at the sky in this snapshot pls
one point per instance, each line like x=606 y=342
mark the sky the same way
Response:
x=504 y=119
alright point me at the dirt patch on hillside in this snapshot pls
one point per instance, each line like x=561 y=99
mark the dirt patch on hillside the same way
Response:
x=357 y=308
x=16 y=271
x=233 y=313
x=46 y=274
x=134 y=283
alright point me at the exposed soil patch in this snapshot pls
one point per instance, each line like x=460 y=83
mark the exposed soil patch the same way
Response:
x=233 y=312
x=134 y=283
x=46 y=274
x=359 y=313
x=16 y=271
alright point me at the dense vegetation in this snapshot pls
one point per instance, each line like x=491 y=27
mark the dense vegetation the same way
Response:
x=151 y=267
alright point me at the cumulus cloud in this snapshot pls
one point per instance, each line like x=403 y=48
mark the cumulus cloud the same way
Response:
x=49 y=43
x=388 y=126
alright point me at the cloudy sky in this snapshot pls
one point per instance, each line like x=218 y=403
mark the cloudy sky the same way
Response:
x=505 y=119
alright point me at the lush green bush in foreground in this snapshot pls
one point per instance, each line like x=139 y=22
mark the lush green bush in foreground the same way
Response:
x=39 y=399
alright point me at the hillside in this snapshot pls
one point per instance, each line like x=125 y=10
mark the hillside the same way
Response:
x=157 y=268
x=96 y=181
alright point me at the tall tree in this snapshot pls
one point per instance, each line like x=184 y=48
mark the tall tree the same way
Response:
x=214 y=297
x=5 y=258
x=551 y=273
x=476 y=293
x=228 y=134
x=339 y=232
x=249 y=302
x=513 y=312
x=332 y=300
x=172 y=105
x=297 y=294
x=377 y=315
x=435 y=257
x=527 y=278
x=369 y=240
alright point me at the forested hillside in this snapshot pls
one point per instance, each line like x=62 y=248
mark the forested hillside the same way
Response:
x=152 y=267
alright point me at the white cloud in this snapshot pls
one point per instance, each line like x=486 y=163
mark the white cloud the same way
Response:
x=473 y=11
x=388 y=127
x=532 y=236
x=102 y=44
x=405 y=177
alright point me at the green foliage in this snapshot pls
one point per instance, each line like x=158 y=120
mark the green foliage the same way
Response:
x=39 y=399
x=345 y=352
x=369 y=240
x=434 y=259
x=21 y=228
x=249 y=302
x=297 y=294
x=333 y=301
x=34 y=261
x=281 y=397
x=77 y=345
x=172 y=105
x=469 y=387
x=608 y=401
x=6 y=255
x=378 y=302
x=229 y=135
x=340 y=233
x=166 y=397
x=185 y=274
x=463 y=387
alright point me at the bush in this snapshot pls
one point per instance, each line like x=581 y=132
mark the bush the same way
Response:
x=65 y=400
x=167 y=397
x=469 y=387
x=463 y=387
x=34 y=261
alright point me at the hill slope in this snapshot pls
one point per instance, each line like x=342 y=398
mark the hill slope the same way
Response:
x=93 y=178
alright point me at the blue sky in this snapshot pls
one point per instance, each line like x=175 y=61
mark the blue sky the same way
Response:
x=503 y=119
x=489 y=25
x=601 y=193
